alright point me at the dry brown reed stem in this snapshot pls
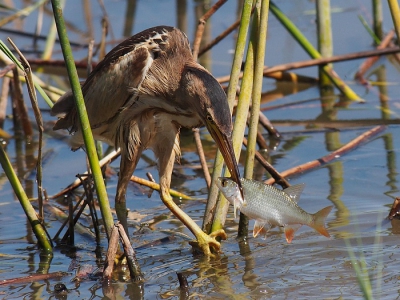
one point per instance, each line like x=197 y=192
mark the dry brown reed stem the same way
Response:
x=6 y=69
x=202 y=157
x=59 y=63
x=219 y=38
x=133 y=265
x=292 y=77
x=331 y=156
x=5 y=91
x=196 y=46
x=322 y=61
x=280 y=76
x=106 y=160
x=21 y=110
x=265 y=122
x=33 y=278
x=278 y=178
x=201 y=25
x=371 y=60
x=327 y=60
x=111 y=254
x=39 y=121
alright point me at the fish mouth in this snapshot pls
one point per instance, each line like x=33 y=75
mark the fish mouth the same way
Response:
x=224 y=144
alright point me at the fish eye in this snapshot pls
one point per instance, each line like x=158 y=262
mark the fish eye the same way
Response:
x=224 y=182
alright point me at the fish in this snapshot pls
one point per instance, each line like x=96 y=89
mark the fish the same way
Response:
x=270 y=206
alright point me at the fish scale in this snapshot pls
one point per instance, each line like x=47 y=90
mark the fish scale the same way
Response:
x=267 y=202
x=270 y=206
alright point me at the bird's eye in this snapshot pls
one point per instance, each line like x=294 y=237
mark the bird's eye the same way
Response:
x=209 y=118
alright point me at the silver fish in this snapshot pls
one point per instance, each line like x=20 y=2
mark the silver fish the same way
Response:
x=270 y=206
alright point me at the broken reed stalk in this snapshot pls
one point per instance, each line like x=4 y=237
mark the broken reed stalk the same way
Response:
x=309 y=48
x=260 y=25
x=84 y=120
x=242 y=111
x=118 y=233
x=34 y=278
x=133 y=265
x=111 y=254
x=39 y=122
x=231 y=95
x=395 y=11
x=196 y=46
x=37 y=227
x=324 y=37
x=331 y=156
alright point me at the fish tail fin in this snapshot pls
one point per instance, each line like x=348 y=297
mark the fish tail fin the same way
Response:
x=319 y=220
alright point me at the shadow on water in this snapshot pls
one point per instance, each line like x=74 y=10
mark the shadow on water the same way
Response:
x=361 y=184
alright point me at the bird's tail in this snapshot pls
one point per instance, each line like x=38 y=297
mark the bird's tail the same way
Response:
x=319 y=220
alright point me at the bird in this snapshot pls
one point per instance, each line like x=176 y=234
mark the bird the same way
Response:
x=138 y=97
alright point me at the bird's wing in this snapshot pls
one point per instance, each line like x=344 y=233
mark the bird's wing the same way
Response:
x=114 y=81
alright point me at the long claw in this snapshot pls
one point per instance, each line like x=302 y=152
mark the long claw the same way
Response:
x=207 y=244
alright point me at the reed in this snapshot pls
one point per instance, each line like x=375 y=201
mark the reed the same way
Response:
x=231 y=95
x=84 y=120
x=309 y=48
x=395 y=11
x=260 y=26
x=324 y=35
x=37 y=227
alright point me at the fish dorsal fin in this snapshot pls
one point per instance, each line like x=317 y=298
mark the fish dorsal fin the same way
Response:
x=290 y=230
x=295 y=191
x=261 y=226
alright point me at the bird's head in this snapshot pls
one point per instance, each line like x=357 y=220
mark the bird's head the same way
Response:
x=208 y=100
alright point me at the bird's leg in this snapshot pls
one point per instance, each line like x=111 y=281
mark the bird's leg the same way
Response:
x=205 y=242
x=127 y=166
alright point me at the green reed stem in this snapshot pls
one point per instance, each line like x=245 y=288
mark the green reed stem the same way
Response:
x=242 y=111
x=84 y=120
x=395 y=11
x=309 y=48
x=378 y=18
x=324 y=35
x=364 y=22
x=30 y=212
x=51 y=37
x=361 y=269
x=260 y=23
x=231 y=95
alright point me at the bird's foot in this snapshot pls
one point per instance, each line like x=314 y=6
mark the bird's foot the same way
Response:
x=207 y=244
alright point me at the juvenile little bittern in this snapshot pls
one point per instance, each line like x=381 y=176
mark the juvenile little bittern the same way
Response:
x=139 y=96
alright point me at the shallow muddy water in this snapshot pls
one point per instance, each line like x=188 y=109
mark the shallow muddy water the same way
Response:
x=361 y=184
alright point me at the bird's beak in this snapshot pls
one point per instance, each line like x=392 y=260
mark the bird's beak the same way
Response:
x=225 y=146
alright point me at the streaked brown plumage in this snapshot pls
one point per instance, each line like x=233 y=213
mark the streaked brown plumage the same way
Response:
x=139 y=96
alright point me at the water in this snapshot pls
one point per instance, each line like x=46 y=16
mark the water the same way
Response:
x=361 y=184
